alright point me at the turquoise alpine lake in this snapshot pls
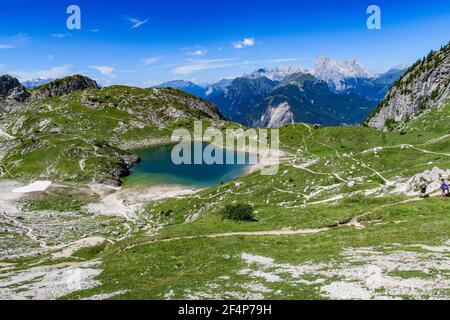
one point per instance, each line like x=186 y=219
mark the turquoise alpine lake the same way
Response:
x=157 y=168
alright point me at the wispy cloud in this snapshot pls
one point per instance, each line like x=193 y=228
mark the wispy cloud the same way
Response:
x=151 y=60
x=105 y=70
x=198 y=52
x=55 y=72
x=14 y=41
x=61 y=35
x=201 y=65
x=247 y=42
x=208 y=64
x=136 y=22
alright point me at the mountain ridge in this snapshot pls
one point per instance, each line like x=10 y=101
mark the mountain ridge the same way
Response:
x=425 y=84
x=71 y=130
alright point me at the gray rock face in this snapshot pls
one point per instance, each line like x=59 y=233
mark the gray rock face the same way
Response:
x=122 y=169
x=10 y=88
x=425 y=84
x=432 y=177
x=275 y=117
x=64 y=86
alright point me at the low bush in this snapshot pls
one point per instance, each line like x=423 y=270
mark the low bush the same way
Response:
x=238 y=212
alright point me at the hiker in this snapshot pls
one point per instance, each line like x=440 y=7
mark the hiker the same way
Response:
x=423 y=188
x=444 y=189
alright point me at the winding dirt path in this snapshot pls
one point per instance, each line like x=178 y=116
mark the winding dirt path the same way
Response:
x=352 y=222
x=281 y=232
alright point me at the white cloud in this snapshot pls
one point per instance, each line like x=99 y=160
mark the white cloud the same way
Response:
x=197 y=53
x=200 y=65
x=151 y=60
x=6 y=46
x=136 y=22
x=52 y=73
x=50 y=57
x=105 y=70
x=150 y=83
x=247 y=42
x=95 y=30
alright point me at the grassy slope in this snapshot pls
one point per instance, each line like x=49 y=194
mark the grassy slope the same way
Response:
x=55 y=134
x=181 y=267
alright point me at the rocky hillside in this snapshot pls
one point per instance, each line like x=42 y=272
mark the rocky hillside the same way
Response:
x=10 y=88
x=63 y=86
x=70 y=130
x=425 y=84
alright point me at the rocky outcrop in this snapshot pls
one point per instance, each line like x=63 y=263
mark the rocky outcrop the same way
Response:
x=64 y=86
x=432 y=177
x=10 y=88
x=425 y=84
x=12 y=95
x=121 y=170
x=275 y=117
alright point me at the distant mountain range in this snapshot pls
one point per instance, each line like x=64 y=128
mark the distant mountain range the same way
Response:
x=332 y=93
x=30 y=84
x=186 y=86
x=275 y=74
x=300 y=97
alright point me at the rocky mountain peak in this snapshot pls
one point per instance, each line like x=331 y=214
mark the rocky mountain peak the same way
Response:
x=275 y=74
x=10 y=88
x=298 y=79
x=64 y=86
x=335 y=72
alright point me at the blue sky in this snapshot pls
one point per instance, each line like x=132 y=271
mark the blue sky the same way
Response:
x=205 y=41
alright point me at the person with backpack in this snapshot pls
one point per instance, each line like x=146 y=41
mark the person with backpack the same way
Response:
x=444 y=189
x=423 y=188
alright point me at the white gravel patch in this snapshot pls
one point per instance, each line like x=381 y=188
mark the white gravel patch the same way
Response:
x=36 y=186
x=362 y=273
x=49 y=282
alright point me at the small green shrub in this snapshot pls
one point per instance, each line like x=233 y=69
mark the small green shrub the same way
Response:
x=434 y=94
x=390 y=124
x=238 y=212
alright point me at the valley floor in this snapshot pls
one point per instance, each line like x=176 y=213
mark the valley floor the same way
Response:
x=341 y=220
